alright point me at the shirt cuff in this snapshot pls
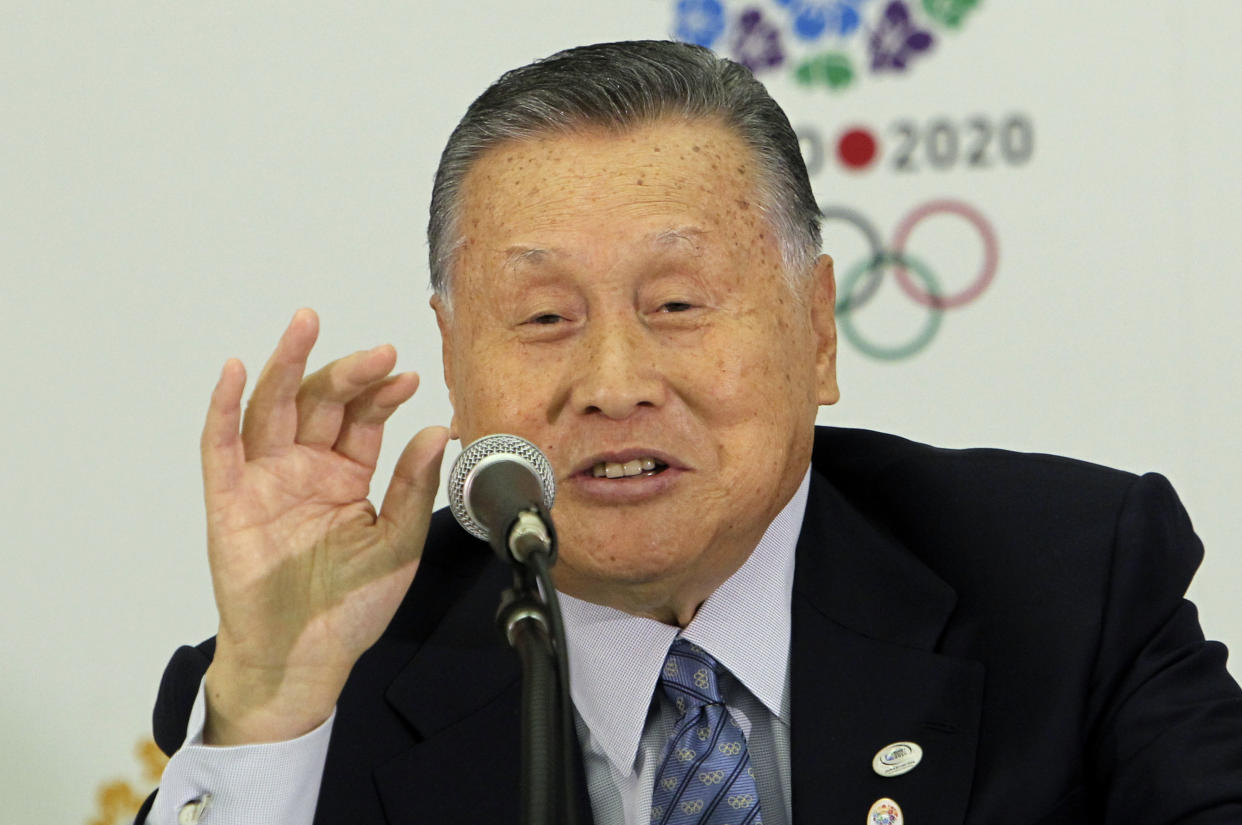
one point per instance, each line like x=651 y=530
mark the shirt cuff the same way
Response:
x=241 y=784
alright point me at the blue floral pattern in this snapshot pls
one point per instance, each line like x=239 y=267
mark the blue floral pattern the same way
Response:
x=813 y=19
x=700 y=21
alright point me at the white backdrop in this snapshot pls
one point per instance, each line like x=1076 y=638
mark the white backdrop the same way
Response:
x=177 y=178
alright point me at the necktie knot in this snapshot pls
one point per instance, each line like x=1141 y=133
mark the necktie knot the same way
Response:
x=690 y=677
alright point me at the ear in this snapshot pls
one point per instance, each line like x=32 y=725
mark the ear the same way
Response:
x=444 y=320
x=824 y=322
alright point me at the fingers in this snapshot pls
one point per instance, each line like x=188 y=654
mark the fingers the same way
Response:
x=271 y=417
x=323 y=396
x=412 y=491
x=362 y=427
x=342 y=406
x=221 y=445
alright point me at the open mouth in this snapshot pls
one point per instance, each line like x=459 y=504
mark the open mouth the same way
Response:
x=629 y=469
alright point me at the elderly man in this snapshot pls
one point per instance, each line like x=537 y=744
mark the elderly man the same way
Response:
x=625 y=255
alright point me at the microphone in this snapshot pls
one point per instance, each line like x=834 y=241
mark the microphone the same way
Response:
x=500 y=490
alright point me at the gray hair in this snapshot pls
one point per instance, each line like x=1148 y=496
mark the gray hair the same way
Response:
x=618 y=86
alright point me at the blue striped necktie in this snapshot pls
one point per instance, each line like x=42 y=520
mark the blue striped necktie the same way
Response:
x=705 y=777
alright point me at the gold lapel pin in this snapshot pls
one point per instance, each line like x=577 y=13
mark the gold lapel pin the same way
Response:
x=885 y=812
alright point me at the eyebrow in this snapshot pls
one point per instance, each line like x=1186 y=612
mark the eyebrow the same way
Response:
x=522 y=254
x=680 y=234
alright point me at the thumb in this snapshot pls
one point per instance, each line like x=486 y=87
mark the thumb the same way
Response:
x=412 y=491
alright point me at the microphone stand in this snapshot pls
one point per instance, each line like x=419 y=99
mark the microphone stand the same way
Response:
x=530 y=619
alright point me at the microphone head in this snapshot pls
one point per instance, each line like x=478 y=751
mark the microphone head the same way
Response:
x=484 y=452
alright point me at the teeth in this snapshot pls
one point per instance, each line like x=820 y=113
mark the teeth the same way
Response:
x=616 y=469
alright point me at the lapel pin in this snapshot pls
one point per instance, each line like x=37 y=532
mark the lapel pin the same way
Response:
x=897 y=758
x=885 y=812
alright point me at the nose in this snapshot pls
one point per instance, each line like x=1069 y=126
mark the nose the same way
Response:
x=617 y=372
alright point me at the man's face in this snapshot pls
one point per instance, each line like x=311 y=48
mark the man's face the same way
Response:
x=619 y=301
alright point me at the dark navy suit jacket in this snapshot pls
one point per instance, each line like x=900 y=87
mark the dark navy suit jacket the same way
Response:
x=1021 y=617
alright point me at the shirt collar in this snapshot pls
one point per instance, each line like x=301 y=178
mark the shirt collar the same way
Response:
x=615 y=658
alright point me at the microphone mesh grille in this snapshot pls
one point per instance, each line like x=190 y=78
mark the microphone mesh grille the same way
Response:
x=480 y=449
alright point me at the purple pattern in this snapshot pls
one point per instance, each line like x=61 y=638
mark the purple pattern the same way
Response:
x=757 y=44
x=895 y=39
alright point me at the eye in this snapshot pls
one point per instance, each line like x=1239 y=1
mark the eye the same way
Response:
x=546 y=319
x=676 y=306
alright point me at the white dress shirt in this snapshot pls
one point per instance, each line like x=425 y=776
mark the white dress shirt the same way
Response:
x=241 y=784
x=614 y=662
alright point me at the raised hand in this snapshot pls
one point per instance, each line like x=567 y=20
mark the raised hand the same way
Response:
x=306 y=574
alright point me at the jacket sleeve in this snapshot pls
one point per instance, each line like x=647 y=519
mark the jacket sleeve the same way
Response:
x=178 y=688
x=1165 y=716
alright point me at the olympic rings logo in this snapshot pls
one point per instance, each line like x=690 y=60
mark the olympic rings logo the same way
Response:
x=861 y=281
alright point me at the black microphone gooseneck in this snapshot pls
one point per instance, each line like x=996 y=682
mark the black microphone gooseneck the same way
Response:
x=500 y=490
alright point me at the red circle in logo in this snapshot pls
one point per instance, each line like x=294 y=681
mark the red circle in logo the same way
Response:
x=856 y=148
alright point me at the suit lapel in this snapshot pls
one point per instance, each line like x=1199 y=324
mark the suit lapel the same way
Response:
x=462 y=693
x=864 y=674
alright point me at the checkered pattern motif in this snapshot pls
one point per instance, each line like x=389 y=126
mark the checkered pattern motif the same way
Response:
x=705 y=777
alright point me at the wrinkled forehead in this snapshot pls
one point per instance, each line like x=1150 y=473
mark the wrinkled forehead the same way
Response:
x=669 y=180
